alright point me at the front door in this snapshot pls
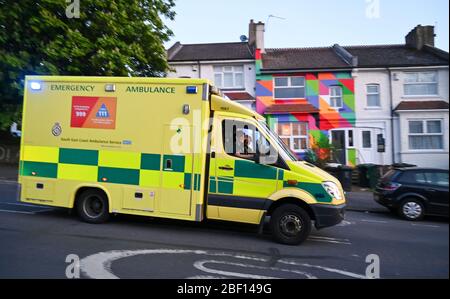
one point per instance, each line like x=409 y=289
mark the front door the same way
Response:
x=242 y=185
x=368 y=151
x=339 y=149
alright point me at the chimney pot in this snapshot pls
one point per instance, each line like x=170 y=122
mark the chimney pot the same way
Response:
x=420 y=36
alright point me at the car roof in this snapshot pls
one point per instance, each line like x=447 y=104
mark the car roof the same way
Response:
x=420 y=169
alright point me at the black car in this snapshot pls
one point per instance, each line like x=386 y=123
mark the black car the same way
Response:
x=414 y=192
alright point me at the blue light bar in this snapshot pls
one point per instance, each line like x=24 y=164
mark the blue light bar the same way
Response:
x=191 y=89
x=35 y=85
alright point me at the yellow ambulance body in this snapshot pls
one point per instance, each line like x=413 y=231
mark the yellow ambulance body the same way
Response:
x=156 y=147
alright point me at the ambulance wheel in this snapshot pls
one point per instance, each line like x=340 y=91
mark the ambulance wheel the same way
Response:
x=290 y=224
x=92 y=206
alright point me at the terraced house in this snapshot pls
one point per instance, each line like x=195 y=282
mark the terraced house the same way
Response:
x=378 y=104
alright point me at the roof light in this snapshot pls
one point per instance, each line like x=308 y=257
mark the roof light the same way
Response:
x=35 y=85
x=191 y=89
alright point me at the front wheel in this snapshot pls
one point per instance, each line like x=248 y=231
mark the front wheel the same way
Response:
x=290 y=224
x=411 y=209
x=92 y=206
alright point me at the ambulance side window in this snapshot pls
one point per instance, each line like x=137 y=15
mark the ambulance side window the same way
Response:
x=239 y=139
x=242 y=140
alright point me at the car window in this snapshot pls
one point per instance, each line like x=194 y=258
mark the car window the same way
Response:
x=437 y=178
x=390 y=175
x=413 y=177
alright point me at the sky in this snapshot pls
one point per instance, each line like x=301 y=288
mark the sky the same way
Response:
x=309 y=23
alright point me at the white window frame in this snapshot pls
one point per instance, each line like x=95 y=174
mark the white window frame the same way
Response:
x=425 y=133
x=292 y=137
x=421 y=83
x=373 y=93
x=336 y=97
x=233 y=71
x=289 y=86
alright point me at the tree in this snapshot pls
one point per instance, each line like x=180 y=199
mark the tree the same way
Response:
x=109 y=38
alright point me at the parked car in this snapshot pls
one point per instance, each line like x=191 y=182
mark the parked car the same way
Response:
x=414 y=192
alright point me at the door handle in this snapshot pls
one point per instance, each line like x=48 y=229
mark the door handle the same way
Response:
x=431 y=190
x=226 y=167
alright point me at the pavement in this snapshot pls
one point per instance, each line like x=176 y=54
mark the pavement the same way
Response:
x=8 y=172
x=43 y=242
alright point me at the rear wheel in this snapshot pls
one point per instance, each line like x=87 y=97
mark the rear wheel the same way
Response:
x=92 y=206
x=412 y=209
x=290 y=224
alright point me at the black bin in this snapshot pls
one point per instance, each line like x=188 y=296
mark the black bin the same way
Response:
x=368 y=175
x=343 y=174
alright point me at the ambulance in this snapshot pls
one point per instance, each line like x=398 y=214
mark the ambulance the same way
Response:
x=170 y=148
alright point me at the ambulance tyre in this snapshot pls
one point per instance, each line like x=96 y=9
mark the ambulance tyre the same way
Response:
x=92 y=206
x=290 y=224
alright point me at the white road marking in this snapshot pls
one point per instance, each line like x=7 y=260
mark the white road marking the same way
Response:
x=329 y=240
x=345 y=223
x=373 y=221
x=19 y=204
x=342 y=272
x=425 y=225
x=8 y=182
x=25 y=212
x=98 y=265
x=200 y=266
x=18 y=212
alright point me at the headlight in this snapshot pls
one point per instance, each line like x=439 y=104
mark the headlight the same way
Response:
x=332 y=189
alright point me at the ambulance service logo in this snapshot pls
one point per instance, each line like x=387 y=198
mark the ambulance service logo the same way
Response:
x=93 y=112
x=56 y=129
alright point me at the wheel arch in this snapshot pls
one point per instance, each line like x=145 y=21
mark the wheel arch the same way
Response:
x=416 y=196
x=80 y=189
x=290 y=200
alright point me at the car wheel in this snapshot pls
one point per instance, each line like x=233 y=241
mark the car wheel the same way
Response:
x=290 y=224
x=92 y=206
x=412 y=209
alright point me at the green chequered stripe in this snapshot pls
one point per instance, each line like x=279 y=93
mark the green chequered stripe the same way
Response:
x=256 y=171
x=110 y=174
x=151 y=161
x=315 y=190
x=118 y=175
x=188 y=181
x=212 y=184
x=177 y=162
x=39 y=169
x=78 y=156
x=225 y=185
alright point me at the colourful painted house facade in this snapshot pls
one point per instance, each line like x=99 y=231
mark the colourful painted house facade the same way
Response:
x=311 y=110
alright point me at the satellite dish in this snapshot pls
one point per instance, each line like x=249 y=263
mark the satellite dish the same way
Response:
x=243 y=38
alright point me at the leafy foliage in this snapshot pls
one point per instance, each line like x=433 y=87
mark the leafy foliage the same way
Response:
x=110 y=38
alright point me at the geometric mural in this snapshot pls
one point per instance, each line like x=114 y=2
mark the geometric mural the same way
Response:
x=317 y=94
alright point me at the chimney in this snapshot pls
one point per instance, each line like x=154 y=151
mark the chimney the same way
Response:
x=420 y=36
x=256 y=35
